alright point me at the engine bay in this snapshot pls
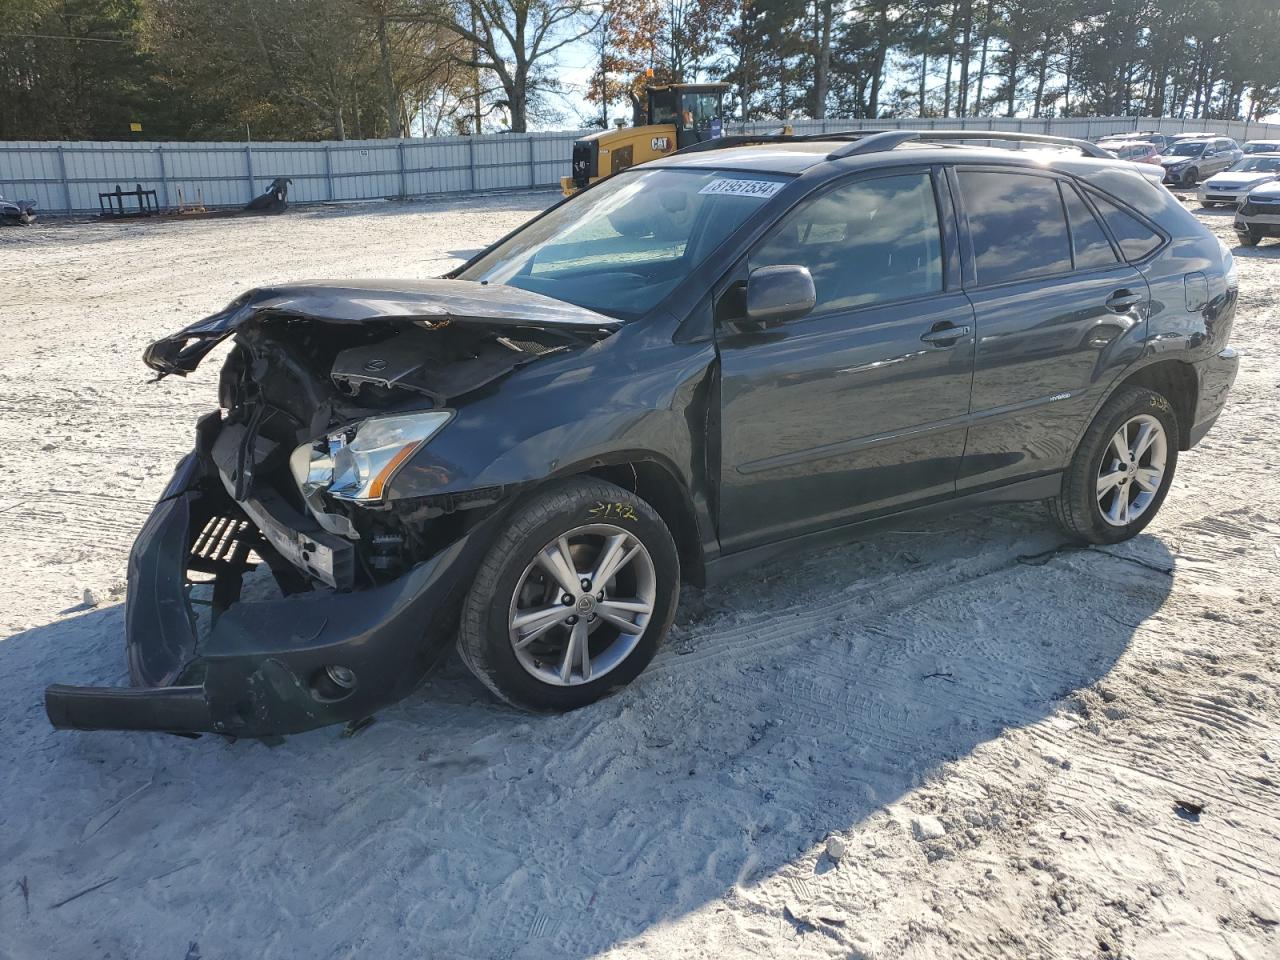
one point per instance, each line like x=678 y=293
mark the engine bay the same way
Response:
x=289 y=382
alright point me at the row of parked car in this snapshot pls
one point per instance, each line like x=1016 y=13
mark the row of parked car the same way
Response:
x=1226 y=174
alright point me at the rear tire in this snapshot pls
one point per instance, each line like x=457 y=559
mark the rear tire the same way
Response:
x=518 y=634
x=1207 y=204
x=1108 y=497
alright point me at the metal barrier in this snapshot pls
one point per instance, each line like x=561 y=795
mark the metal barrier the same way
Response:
x=66 y=177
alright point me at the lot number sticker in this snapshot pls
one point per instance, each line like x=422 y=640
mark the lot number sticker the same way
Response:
x=743 y=188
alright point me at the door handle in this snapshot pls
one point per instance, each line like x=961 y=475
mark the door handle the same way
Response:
x=1122 y=301
x=945 y=336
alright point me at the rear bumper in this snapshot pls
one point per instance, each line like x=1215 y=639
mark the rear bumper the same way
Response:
x=1216 y=376
x=261 y=669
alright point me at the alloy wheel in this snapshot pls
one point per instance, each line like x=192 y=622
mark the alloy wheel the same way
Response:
x=1132 y=470
x=582 y=604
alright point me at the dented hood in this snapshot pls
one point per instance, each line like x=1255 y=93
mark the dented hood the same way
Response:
x=434 y=301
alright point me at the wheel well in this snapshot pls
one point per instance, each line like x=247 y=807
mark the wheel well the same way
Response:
x=1176 y=381
x=655 y=484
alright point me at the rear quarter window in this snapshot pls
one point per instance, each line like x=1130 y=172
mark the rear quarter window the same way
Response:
x=1136 y=239
x=1089 y=243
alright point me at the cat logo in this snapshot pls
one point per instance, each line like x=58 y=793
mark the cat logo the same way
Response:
x=660 y=144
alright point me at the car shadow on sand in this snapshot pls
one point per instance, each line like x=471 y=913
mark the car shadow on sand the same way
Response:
x=798 y=702
x=1268 y=249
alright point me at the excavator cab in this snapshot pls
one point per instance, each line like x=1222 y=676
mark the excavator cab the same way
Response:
x=696 y=110
x=671 y=116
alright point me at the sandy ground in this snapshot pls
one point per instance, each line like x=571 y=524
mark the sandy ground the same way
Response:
x=916 y=746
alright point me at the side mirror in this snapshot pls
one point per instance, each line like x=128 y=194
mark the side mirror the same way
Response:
x=780 y=293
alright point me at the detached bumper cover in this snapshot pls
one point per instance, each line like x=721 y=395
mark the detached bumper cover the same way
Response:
x=259 y=671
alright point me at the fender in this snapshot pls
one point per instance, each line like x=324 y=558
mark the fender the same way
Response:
x=632 y=398
x=1190 y=332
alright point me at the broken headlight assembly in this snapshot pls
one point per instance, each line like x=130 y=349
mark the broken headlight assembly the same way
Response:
x=357 y=462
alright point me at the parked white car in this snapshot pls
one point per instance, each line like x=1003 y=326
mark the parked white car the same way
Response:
x=1231 y=186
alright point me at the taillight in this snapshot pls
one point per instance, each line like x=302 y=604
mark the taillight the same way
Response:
x=1229 y=268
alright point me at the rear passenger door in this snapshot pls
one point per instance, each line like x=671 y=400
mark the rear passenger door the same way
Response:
x=1217 y=157
x=1231 y=153
x=1052 y=298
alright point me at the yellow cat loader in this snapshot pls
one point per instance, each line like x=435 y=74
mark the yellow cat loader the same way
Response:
x=672 y=116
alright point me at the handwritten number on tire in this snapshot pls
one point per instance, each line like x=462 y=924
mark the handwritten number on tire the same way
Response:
x=613 y=511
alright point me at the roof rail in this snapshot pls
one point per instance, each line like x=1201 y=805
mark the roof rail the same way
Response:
x=745 y=139
x=873 y=141
x=896 y=137
x=862 y=142
x=1084 y=146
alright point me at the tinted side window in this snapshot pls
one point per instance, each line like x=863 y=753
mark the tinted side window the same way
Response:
x=1017 y=225
x=1089 y=243
x=1136 y=239
x=866 y=242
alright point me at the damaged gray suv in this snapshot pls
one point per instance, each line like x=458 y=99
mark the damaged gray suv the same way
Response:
x=756 y=345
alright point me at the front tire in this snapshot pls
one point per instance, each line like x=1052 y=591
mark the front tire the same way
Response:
x=1122 y=469
x=1251 y=238
x=572 y=599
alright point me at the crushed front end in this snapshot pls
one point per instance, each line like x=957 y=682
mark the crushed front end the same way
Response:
x=296 y=473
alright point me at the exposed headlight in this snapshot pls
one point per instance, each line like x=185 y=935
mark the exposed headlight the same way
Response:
x=357 y=463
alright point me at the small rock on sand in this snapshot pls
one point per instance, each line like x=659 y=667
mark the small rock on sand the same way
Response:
x=927 y=828
x=835 y=848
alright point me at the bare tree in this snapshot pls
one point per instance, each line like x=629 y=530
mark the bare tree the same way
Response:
x=514 y=39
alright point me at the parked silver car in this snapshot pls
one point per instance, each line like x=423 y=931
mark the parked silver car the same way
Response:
x=1187 y=162
x=1232 y=185
x=1260 y=146
x=1258 y=215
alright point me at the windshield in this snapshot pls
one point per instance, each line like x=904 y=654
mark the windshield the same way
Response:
x=701 y=109
x=1130 y=150
x=1272 y=147
x=622 y=246
x=1257 y=164
x=1191 y=149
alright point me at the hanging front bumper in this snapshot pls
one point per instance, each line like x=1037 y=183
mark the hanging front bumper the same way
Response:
x=266 y=667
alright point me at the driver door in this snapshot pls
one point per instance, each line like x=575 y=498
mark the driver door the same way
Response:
x=859 y=407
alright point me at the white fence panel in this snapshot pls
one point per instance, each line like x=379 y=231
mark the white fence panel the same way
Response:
x=34 y=171
x=66 y=177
